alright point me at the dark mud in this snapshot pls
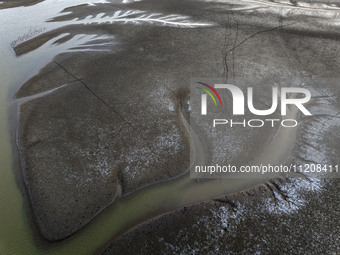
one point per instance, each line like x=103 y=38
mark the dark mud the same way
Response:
x=115 y=126
x=294 y=216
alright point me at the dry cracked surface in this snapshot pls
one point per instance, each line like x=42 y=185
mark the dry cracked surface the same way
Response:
x=102 y=118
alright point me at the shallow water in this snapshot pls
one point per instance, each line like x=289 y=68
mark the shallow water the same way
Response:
x=17 y=235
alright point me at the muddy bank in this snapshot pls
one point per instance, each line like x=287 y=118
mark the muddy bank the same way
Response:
x=278 y=217
x=16 y=3
x=114 y=126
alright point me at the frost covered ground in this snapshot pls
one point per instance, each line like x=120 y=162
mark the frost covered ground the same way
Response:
x=294 y=216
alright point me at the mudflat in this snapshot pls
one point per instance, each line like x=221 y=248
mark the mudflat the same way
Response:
x=109 y=121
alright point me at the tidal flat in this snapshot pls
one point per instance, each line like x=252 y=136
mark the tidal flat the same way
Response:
x=102 y=93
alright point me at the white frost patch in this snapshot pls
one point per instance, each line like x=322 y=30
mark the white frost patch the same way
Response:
x=213 y=227
x=160 y=98
x=102 y=166
x=171 y=107
x=224 y=216
x=292 y=198
x=169 y=141
x=138 y=160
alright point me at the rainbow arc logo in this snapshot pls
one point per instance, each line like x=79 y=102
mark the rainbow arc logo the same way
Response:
x=239 y=99
x=204 y=96
x=209 y=93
